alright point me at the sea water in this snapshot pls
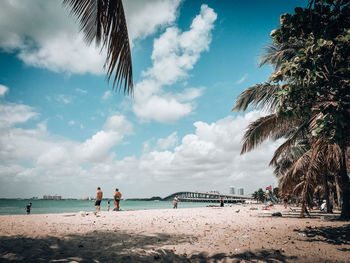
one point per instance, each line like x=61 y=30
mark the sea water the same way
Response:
x=17 y=206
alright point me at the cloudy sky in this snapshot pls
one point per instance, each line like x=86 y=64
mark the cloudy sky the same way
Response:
x=63 y=130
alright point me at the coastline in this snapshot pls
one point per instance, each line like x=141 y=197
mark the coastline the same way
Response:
x=204 y=234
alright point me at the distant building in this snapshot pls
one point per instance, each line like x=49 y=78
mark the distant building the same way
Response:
x=52 y=197
x=240 y=191
x=232 y=190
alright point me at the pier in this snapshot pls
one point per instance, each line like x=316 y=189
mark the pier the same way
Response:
x=209 y=197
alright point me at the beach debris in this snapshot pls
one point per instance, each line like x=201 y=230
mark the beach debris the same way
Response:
x=302 y=234
x=253 y=208
x=277 y=214
x=245 y=236
x=82 y=213
x=237 y=211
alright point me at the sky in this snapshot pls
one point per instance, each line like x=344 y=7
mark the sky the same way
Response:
x=65 y=131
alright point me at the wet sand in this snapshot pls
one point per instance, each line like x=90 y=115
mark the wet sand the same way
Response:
x=211 y=234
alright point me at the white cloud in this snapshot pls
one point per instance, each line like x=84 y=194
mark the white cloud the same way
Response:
x=162 y=109
x=169 y=142
x=206 y=159
x=174 y=54
x=46 y=36
x=3 y=90
x=71 y=122
x=81 y=91
x=242 y=79
x=210 y=159
x=12 y=114
x=144 y=18
x=107 y=95
x=63 y=99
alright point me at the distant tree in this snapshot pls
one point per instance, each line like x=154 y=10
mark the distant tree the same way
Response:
x=261 y=195
x=255 y=196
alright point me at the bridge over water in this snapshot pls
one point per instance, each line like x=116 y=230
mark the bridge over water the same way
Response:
x=187 y=196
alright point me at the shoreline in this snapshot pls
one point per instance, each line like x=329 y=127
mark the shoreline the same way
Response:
x=175 y=235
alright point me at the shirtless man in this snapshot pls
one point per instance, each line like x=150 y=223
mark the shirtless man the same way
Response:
x=175 y=201
x=99 y=196
x=117 y=196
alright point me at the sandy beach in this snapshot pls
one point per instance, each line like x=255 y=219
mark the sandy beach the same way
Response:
x=210 y=234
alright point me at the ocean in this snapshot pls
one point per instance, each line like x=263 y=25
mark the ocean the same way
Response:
x=17 y=206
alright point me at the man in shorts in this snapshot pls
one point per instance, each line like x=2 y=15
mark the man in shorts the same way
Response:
x=99 y=196
x=117 y=196
x=175 y=201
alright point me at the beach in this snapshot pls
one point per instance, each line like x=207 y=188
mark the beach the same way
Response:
x=208 y=234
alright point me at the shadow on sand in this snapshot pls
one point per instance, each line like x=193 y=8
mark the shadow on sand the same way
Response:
x=118 y=247
x=315 y=214
x=331 y=235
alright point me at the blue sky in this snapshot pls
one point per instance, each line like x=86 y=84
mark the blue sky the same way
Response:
x=65 y=131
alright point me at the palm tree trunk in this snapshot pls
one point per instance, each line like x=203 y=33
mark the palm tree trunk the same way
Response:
x=338 y=189
x=304 y=209
x=345 y=185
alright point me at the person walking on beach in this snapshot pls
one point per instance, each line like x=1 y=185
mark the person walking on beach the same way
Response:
x=28 y=208
x=117 y=196
x=99 y=196
x=222 y=202
x=175 y=201
x=109 y=205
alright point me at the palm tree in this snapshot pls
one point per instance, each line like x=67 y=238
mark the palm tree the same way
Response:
x=261 y=195
x=306 y=103
x=103 y=22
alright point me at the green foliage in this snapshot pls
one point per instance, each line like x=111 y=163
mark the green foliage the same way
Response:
x=260 y=195
x=308 y=98
x=316 y=82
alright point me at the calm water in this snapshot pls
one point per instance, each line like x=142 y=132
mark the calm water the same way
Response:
x=17 y=207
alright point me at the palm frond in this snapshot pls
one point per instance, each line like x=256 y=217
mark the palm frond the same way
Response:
x=263 y=128
x=103 y=21
x=259 y=96
x=277 y=54
x=289 y=143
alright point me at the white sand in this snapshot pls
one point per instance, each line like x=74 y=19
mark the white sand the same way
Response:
x=210 y=234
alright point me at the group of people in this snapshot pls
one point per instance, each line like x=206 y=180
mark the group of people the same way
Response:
x=116 y=198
